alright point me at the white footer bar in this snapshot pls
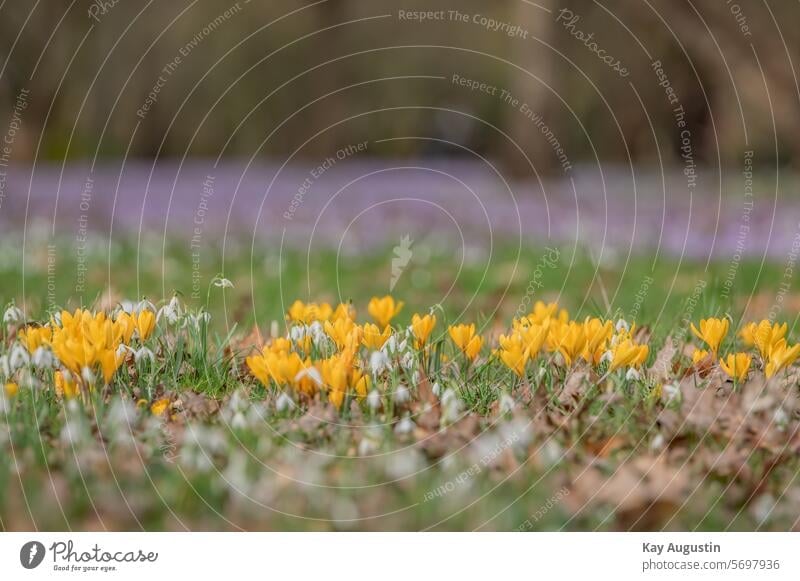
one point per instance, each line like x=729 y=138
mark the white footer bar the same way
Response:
x=401 y=556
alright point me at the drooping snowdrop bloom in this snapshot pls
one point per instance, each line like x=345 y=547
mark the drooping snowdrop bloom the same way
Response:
x=13 y=316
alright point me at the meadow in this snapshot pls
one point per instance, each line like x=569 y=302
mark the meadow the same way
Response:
x=522 y=389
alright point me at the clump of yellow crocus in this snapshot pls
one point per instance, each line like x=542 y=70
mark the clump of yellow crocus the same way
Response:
x=626 y=353
x=514 y=353
x=569 y=339
x=780 y=357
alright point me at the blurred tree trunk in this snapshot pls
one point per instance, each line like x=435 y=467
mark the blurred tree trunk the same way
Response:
x=536 y=57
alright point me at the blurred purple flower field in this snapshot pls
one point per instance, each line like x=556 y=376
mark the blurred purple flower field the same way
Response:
x=360 y=204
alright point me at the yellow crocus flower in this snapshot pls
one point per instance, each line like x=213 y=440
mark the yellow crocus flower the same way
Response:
x=568 y=339
x=766 y=335
x=383 y=310
x=422 y=327
x=360 y=383
x=11 y=389
x=780 y=357
x=159 y=406
x=698 y=355
x=125 y=326
x=373 y=338
x=534 y=336
x=597 y=335
x=301 y=312
x=736 y=366
x=344 y=311
x=35 y=337
x=466 y=339
x=145 y=323
x=748 y=334
x=712 y=332
x=65 y=387
x=544 y=312
x=340 y=331
x=628 y=354
x=513 y=353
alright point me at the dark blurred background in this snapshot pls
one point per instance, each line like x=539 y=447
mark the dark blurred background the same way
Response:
x=269 y=78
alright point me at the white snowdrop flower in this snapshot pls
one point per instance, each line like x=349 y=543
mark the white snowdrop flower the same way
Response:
x=237 y=402
x=256 y=414
x=87 y=375
x=74 y=430
x=415 y=377
x=57 y=318
x=541 y=372
x=367 y=446
x=393 y=347
x=451 y=407
x=670 y=392
x=622 y=325
x=122 y=413
x=436 y=388
x=781 y=418
x=18 y=357
x=198 y=319
x=517 y=432
x=238 y=422
x=29 y=381
x=284 y=402
x=127 y=306
x=448 y=396
x=607 y=357
x=43 y=358
x=374 y=400
x=145 y=305
x=507 y=404
x=123 y=350
x=312 y=373
x=407 y=361
x=379 y=362
x=762 y=507
x=172 y=312
x=236 y=473
x=317 y=332
x=658 y=442
x=5 y=367
x=404 y=464
x=390 y=346
x=13 y=316
x=401 y=394
x=220 y=282
x=297 y=333
x=144 y=353
x=550 y=453
x=404 y=426
x=633 y=375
